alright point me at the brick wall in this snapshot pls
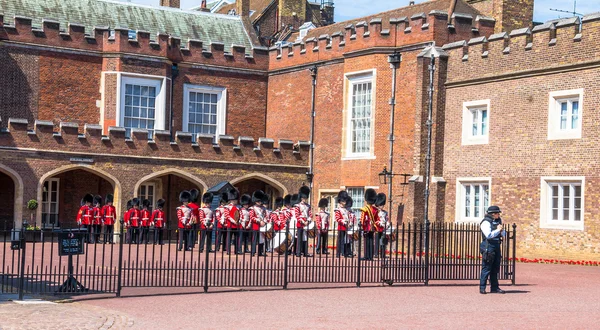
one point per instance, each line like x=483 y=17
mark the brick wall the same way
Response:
x=292 y=12
x=19 y=86
x=509 y=14
x=519 y=152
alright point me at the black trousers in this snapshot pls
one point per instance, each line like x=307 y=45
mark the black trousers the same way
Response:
x=301 y=246
x=109 y=233
x=221 y=242
x=491 y=269
x=133 y=234
x=184 y=235
x=86 y=235
x=341 y=245
x=96 y=231
x=195 y=229
x=158 y=235
x=369 y=245
x=144 y=233
x=245 y=239
x=233 y=237
x=205 y=235
x=254 y=239
x=322 y=242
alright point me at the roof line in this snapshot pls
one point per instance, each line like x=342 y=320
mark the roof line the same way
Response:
x=179 y=10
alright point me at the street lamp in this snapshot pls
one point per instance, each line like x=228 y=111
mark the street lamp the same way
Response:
x=385 y=176
x=394 y=60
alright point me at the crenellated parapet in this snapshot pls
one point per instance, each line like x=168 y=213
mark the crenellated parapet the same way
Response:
x=70 y=137
x=122 y=40
x=381 y=33
x=570 y=41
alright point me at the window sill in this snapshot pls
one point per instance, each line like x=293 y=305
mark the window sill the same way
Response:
x=564 y=135
x=357 y=157
x=475 y=141
x=563 y=226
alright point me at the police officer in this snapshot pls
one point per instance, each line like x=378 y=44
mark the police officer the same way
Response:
x=493 y=231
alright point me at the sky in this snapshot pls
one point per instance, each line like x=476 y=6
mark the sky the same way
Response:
x=349 y=9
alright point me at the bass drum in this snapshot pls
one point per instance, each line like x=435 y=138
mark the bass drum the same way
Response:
x=282 y=242
x=311 y=229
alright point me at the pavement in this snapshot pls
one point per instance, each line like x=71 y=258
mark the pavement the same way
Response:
x=545 y=297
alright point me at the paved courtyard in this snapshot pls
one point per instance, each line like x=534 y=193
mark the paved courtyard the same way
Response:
x=546 y=297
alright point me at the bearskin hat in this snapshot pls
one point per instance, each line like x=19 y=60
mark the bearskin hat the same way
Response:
x=185 y=196
x=349 y=202
x=278 y=202
x=160 y=203
x=109 y=198
x=224 y=197
x=135 y=202
x=233 y=194
x=295 y=199
x=88 y=198
x=304 y=192
x=258 y=196
x=266 y=199
x=145 y=203
x=287 y=200
x=342 y=196
x=380 y=200
x=97 y=199
x=370 y=196
x=324 y=202
x=194 y=194
x=207 y=198
x=129 y=204
x=246 y=199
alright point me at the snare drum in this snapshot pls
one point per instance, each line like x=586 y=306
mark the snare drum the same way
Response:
x=311 y=229
x=282 y=242
x=390 y=234
x=353 y=232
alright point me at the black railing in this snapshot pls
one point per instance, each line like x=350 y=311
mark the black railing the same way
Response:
x=30 y=262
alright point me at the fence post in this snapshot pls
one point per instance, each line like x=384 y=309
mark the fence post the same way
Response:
x=427 y=224
x=360 y=235
x=120 y=271
x=285 y=260
x=514 y=253
x=207 y=248
x=23 y=249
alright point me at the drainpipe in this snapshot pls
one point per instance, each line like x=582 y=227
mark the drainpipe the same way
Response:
x=310 y=174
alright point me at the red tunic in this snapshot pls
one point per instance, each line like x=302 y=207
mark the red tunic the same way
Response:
x=85 y=214
x=322 y=220
x=274 y=218
x=158 y=218
x=342 y=219
x=367 y=218
x=219 y=216
x=183 y=218
x=194 y=208
x=233 y=216
x=205 y=217
x=282 y=217
x=256 y=216
x=97 y=216
x=145 y=215
x=134 y=217
x=109 y=213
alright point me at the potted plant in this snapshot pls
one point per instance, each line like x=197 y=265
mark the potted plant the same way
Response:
x=32 y=231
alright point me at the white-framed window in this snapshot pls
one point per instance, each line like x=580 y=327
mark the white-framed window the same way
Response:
x=360 y=107
x=476 y=122
x=204 y=109
x=473 y=197
x=358 y=198
x=562 y=202
x=147 y=191
x=50 y=203
x=565 y=114
x=142 y=104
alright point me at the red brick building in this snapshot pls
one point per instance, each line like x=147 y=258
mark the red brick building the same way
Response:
x=521 y=131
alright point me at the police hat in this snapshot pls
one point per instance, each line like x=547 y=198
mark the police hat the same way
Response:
x=493 y=209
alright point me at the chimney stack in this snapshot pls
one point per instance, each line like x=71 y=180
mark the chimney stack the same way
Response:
x=170 y=3
x=242 y=8
x=203 y=6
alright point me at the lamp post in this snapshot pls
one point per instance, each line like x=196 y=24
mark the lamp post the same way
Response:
x=310 y=175
x=174 y=74
x=394 y=60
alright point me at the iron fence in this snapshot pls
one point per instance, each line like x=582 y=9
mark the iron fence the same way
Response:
x=31 y=263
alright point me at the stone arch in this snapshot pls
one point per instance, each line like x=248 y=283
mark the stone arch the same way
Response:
x=174 y=171
x=264 y=178
x=96 y=171
x=18 y=196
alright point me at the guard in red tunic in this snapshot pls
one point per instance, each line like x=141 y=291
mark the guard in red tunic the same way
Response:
x=221 y=220
x=355 y=225
x=341 y=215
x=158 y=220
x=303 y=215
x=245 y=227
x=322 y=220
x=193 y=232
x=257 y=220
x=127 y=221
x=145 y=222
x=85 y=215
x=134 y=221
x=382 y=224
x=275 y=216
x=184 y=217
x=368 y=218
x=232 y=215
x=109 y=219
x=96 y=219
x=205 y=218
x=266 y=205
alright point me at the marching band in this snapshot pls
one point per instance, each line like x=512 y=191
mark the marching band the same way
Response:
x=247 y=225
